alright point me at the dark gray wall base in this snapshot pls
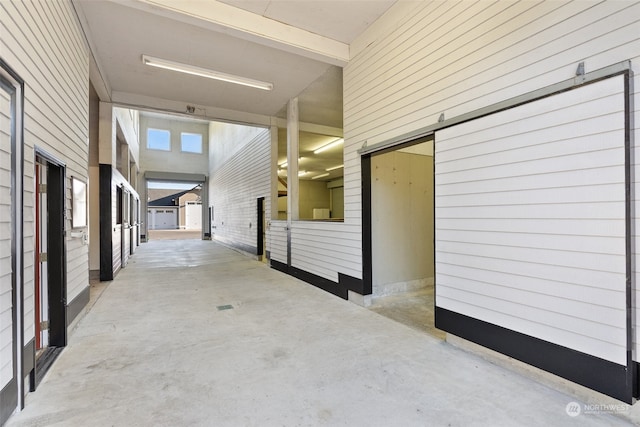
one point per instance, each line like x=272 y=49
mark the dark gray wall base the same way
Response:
x=94 y=275
x=8 y=401
x=79 y=302
x=29 y=357
x=235 y=245
x=590 y=371
x=339 y=289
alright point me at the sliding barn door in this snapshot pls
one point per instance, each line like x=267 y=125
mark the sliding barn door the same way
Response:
x=533 y=236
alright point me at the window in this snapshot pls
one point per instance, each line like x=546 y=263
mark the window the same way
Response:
x=119 y=201
x=191 y=142
x=158 y=139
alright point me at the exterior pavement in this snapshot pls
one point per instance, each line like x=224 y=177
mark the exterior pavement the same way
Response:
x=191 y=333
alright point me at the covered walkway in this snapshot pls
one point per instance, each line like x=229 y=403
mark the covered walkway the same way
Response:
x=194 y=334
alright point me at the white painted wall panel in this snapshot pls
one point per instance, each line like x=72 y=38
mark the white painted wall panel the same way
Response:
x=236 y=184
x=6 y=295
x=44 y=44
x=577 y=321
x=277 y=240
x=426 y=58
x=326 y=248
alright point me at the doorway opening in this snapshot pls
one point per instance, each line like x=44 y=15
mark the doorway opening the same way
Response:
x=50 y=264
x=262 y=230
x=174 y=210
x=401 y=208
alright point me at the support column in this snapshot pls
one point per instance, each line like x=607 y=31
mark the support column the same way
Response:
x=292 y=170
x=292 y=161
x=273 y=205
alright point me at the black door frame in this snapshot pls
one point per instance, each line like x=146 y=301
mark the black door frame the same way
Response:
x=56 y=261
x=260 y=227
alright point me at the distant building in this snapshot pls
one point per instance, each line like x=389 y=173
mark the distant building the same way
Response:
x=181 y=210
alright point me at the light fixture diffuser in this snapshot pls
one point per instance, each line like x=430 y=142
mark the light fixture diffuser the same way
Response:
x=203 y=72
x=334 y=168
x=329 y=146
x=321 y=175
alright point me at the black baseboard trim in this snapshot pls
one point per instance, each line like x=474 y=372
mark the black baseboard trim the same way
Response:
x=320 y=282
x=351 y=283
x=636 y=383
x=29 y=357
x=337 y=289
x=77 y=304
x=598 y=374
x=280 y=266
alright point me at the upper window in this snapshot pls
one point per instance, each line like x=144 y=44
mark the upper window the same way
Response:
x=158 y=139
x=191 y=142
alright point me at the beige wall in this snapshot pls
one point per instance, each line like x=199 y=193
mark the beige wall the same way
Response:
x=174 y=160
x=312 y=195
x=401 y=218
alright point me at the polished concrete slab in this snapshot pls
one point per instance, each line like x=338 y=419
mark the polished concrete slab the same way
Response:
x=191 y=333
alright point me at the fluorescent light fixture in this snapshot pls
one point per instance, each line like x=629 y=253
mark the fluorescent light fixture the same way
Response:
x=334 y=168
x=301 y=173
x=284 y=164
x=329 y=146
x=203 y=72
x=321 y=176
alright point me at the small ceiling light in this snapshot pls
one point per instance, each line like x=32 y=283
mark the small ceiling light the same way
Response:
x=329 y=146
x=320 y=176
x=301 y=173
x=283 y=165
x=334 y=168
x=203 y=72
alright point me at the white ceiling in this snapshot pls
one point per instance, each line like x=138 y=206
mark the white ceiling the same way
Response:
x=293 y=44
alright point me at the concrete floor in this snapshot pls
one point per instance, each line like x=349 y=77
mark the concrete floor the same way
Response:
x=414 y=308
x=191 y=333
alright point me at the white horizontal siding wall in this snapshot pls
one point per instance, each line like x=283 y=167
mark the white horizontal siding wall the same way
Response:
x=436 y=57
x=6 y=270
x=530 y=219
x=236 y=184
x=44 y=44
x=277 y=240
x=326 y=249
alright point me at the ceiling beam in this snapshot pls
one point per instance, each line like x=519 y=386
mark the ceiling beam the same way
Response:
x=203 y=112
x=223 y=18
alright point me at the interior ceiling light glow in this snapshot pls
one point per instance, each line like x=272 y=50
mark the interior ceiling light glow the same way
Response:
x=302 y=173
x=329 y=146
x=320 y=176
x=334 y=168
x=203 y=72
